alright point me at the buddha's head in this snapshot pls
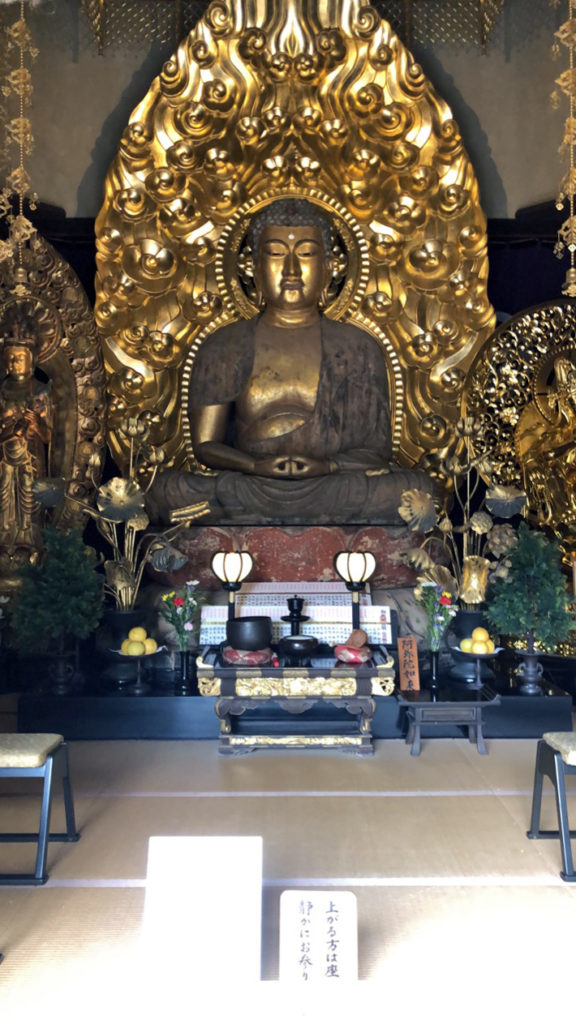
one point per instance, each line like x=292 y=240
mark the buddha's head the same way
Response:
x=18 y=360
x=18 y=348
x=291 y=243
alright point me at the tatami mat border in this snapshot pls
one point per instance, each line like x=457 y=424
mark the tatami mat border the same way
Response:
x=458 y=881
x=297 y=794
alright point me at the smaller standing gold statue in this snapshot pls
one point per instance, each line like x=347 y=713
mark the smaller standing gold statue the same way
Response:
x=25 y=433
x=546 y=447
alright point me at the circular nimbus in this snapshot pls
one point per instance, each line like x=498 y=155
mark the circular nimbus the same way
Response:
x=48 y=329
x=349 y=235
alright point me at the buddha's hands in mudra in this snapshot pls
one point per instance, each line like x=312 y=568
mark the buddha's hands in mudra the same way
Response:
x=291 y=467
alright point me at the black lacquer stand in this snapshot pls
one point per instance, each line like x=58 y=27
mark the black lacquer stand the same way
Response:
x=295 y=618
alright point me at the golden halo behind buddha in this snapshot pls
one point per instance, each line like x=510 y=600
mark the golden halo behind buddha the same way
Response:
x=259 y=104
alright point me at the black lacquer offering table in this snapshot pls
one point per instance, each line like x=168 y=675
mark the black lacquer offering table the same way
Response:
x=333 y=702
x=454 y=705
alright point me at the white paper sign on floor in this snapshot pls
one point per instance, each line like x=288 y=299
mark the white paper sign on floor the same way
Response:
x=203 y=907
x=318 y=936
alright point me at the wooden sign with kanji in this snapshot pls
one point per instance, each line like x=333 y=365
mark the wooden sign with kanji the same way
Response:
x=408 y=663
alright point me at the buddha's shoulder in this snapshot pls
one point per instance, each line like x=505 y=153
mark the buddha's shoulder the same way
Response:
x=345 y=333
x=236 y=329
x=228 y=338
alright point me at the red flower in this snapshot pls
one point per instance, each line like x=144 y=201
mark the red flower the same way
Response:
x=445 y=600
x=178 y=602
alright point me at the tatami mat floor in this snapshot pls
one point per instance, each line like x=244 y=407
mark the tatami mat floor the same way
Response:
x=434 y=848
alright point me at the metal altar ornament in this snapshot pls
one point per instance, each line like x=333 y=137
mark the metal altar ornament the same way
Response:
x=314 y=101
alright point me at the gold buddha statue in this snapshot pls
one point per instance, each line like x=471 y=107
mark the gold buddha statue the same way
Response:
x=25 y=433
x=290 y=408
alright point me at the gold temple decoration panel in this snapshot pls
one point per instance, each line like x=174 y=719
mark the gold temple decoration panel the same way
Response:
x=452 y=21
x=311 y=99
x=118 y=23
x=121 y=23
x=522 y=389
x=296 y=686
x=297 y=740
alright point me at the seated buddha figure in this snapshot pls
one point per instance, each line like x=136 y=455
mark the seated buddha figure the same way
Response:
x=291 y=408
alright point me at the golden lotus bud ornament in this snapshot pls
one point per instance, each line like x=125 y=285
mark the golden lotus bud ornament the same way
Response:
x=474 y=579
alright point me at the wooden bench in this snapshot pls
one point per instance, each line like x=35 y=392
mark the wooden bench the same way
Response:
x=37 y=756
x=556 y=758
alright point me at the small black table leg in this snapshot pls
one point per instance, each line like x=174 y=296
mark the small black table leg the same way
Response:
x=534 y=831
x=480 y=744
x=416 y=744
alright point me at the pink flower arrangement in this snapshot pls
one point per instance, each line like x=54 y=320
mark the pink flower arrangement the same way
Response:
x=439 y=611
x=179 y=610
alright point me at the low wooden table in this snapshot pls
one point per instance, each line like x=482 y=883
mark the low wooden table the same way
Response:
x=322 y=685
x=454 y=706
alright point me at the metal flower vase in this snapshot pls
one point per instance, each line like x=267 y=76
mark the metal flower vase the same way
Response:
x=529 y=673
x=434 y=682
x=184 y=673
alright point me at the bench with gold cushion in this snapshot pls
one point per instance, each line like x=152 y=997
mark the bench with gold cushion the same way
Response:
x=556 y=758
x=37 y=756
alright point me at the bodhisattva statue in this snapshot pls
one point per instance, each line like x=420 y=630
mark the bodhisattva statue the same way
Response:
x=291 y=408
x=25 y=431
x=547 y=452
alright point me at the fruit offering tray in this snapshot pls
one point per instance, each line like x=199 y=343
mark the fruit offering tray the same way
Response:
x=478 y=643
x=138 y=644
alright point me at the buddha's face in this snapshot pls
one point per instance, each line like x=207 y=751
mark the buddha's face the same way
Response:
x=291 y=269
x=18 y=361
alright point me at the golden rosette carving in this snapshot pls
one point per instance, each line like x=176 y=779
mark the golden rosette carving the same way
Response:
x=322 y=101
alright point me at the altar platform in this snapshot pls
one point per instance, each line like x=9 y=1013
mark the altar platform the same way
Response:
x=99 y=711
x=162 y=716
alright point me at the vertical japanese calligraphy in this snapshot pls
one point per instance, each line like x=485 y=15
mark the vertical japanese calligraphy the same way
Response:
x=408 y=663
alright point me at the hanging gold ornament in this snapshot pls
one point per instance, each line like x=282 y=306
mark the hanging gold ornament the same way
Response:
x=566 y=243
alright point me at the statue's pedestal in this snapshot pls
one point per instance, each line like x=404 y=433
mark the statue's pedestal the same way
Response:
x=294 y=553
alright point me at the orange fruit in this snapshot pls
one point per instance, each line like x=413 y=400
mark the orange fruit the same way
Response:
x=466 y=644
x=137 y=633
x=135 y=648
x=480 y=633
x=480 y=647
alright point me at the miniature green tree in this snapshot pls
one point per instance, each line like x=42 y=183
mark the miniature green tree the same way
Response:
x=60 y=597
x=532 y=601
